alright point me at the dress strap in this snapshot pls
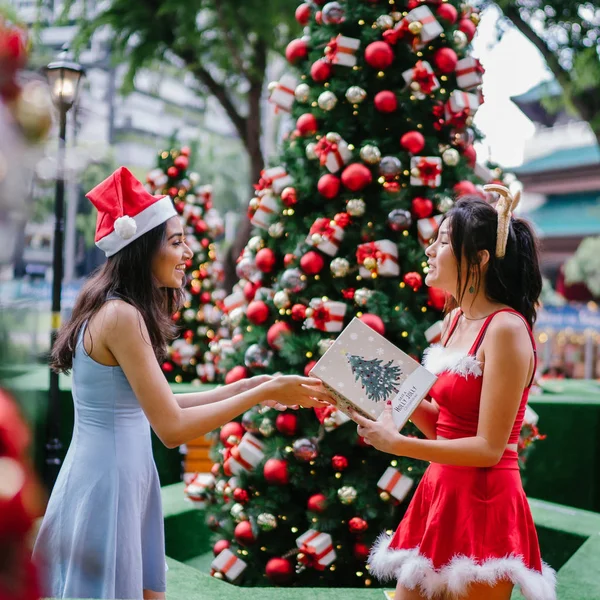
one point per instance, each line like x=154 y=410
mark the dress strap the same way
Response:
x=479 y=339
x=453 y=326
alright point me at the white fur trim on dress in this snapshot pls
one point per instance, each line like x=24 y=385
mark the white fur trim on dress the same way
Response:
x=439 y=359
x=413 y=570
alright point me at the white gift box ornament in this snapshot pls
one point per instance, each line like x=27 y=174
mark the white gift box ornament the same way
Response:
x=334 y=420
x=461 y=102
x=197 y=490
x=423 y=74
x=385 y=253
x=327 y=315
x=283 y=93
x=333 y=152
x=246 y=455
x=234 y=300
x=267 y=211
x=469 y=73
x=395 y=484
x=431 y=26
x=275 y=178
x=433 y=334
x=230 y=565
x=426 y=171
x=342 y=51
x=427 y=228
x=316 y=549
x=326 y=235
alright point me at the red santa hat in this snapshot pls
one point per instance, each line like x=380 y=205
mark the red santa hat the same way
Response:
x=126 y=210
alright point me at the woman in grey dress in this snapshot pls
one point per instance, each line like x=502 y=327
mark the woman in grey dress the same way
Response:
x=102 y=535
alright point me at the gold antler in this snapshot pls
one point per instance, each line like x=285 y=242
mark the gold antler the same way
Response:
x=504 y=207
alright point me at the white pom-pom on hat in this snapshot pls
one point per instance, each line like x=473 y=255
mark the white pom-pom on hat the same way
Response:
x=125 y=227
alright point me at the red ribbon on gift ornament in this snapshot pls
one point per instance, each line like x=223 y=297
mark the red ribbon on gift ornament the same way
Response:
x=322 y=315
x=266 y=182
x=391 y=36
x=478 y=68
x=324 y=228
x=324 y=147
x=394 y=479
x=372 y=250
x=311 y=558
x=428 y=171
x=333 y=48
x=285 y=89
x=424 y=77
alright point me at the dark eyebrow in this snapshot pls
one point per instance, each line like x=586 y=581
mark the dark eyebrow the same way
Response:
x=175 y=235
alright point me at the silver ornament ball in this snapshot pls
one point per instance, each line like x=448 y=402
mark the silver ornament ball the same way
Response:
x=451 y=157
x=281 y=299
x=305 y=449
x=257 y=357
x=327 y=100
x=255 y=243
x=460 y=39
x=249 y=422
x=362 y=296
x=266 y=427
x=324 y=345
x=399 y=219
x=276 y=230
x=237 y=513
x=355 y=207
x=339 y=267
x=310 y=151
x=370 y=154
x=302 y=92
x=292 y=280
x=444 y=203
x=236 y=316
x=384 y=22
x=347 y=494
x=390 y=166
x=332 y=13
x=355 y=94
x=266 y=521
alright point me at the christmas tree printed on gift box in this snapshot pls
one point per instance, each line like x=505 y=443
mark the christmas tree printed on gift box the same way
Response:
x=379 y=381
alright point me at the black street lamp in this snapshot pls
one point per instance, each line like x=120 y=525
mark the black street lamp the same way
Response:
x=64 y=78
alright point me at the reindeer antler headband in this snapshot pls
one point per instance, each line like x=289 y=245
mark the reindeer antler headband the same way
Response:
x=504 y=207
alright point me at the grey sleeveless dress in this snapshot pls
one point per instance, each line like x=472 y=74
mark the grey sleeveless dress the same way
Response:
x=102 y=535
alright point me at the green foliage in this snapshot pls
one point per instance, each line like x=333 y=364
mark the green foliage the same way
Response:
x=584 y=265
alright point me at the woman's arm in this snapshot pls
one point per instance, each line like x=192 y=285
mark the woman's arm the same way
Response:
x=223 y=392
x=508 y=357
x=125 y=335
x=425 y=418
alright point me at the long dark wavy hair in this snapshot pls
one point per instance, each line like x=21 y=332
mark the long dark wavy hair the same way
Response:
x=127 y=275
x=515 y=279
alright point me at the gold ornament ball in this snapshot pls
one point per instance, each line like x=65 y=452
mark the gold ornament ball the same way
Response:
x=302 y=92
x=415 y=86
x=415 y=27
x=475 y=18
x=281 y=299
x=370 y=154
x=355 y=94
x=385 y=22
x=451 y=157
x=397 y=16
x=355 y=207
x=309 y=312
x=327 y=100
x=384 y=496
x=316 y=238
x=276 y=230
x=460 y=39
x=218 y=575
x=445 y=203
x=254 y=203
x=370 y=263
x=310 y=151
x=415 y=172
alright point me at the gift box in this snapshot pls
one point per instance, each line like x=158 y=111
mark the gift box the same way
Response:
x=204 y=194
x=275 y=178
x=316 y=549
x=531 y=417
x=234 y=300
x=426 y=170
x=460 y=104
x=342 y=51
x=385 y=252
x=266 y=212
x=328 y=236
x=326 y=315
x=334 y=420
x=395 y=484
x=206 y=372
x=333 y=152
x=422 y=73
x=427 y=229
x=431 y=26
x=230 y=565
x=433 y=334
x=469 y=73
x=246 y=455
x=283 y=94
x=364 y=371
x=198 y=489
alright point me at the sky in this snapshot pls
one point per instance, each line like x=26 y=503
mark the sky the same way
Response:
x=512 y=66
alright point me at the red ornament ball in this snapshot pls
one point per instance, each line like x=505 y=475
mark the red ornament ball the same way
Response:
x=289 y=259
x=181 y=162
x=296 y=51
x=413 y=280
x=185 y=150
x=220 y=546
x=257 y=312
x=236 y=374
x=229 y=432
x=277 y=333
x=243 y=533
x=173 y=172
x=357 y=525
x=317 y=503
x=361 y=551
x=173 y=192
x=374 y=322
x=205 y=297
x=422 y=207
x=307 y=124
x=413 y=141
x=303 y=14
x=276 y=472
x=465 y=188
x=320 y=71
x=471 y=155
x=339 y=462
x=250 y=290
x=241 y=495
x=309 y=367
x=445 y=59
x=167 y=367
x=468 y=28
x=328 y=186
x=356 y=176
x=379 y=55
x=298 y=312
x=265 y=260
x=288 y=196
x=287 y=423
x=312 y=263
x=279 y=570
x=386 y=102
x=436 y=298
x=447 y=12
x=319 y=16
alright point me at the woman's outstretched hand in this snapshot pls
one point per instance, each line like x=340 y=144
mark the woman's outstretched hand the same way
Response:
x=294 y=390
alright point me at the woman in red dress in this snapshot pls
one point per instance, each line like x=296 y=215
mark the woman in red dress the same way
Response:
x=468 y=532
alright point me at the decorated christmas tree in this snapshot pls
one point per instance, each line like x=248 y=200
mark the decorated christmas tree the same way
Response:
x=383 y=97
x=190 y=358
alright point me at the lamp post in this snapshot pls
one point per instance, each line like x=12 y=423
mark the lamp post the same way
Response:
x=64 y=78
